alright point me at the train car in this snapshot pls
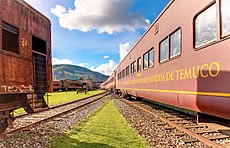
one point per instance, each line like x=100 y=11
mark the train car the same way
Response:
x=183 y=59
x=69 y=85
x=56 y=86
x=74 y=85
x=109 y=84
x=25 y=59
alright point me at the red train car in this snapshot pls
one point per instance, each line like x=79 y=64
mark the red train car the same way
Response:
x=110 y=83
x=25 y=59
x=56 y=85
x=183 y=58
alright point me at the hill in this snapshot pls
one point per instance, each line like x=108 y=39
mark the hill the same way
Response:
x=74 y=72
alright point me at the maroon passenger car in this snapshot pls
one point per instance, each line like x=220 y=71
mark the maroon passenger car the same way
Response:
x=183 y=59
x=109 y=84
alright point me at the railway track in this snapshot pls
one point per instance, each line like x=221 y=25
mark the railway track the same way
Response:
x=28 y=120
x=60 y=105
x=183 y=125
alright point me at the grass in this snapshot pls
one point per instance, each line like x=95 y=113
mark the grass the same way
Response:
x=63 y=97
x=103 y=128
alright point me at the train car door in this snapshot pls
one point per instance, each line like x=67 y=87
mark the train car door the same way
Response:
x=39 y=70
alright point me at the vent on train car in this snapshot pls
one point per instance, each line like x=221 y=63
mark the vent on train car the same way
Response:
x=156 y=28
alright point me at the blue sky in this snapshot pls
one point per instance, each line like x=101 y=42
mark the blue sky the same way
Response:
x=96 y=34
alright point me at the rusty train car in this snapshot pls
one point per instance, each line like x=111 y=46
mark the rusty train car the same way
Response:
x=25 y=59
x=69 y=85
x=183 y=59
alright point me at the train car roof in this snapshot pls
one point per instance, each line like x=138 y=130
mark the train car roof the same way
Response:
x=150 y=27
x=33 y=10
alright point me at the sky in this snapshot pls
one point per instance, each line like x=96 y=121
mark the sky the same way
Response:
x=96 y=34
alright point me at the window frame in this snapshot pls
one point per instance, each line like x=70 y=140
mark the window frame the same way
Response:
x=139 y=64
x=123 y=73
x=164 y=60
x=222 y=36
x=174 y=56
x=131 y=68
x=6 y=27
x=134 y=67
x=211 y=42
x=152 y=49
x=144 y=68
x=169 y=46
x=127 y=71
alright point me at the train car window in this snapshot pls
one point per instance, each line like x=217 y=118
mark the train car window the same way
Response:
x=131 y=68
x=164 y=52
x=134 y=67
x=225 y=18
x=127 y=70
x=139 y=64
x=205 y=26
x=145 y=60
x=151 y=57
x=123 y=73
x=175 y=43
x=10 y=38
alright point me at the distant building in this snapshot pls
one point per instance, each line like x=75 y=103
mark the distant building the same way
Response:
x=89 y=84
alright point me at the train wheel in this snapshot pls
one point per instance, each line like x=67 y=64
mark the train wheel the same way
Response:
x=3 y=122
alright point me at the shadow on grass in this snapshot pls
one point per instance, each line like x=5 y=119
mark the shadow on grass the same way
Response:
x=67 y=142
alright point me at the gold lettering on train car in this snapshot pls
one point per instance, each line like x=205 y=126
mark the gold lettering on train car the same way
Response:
x=161 y=77
x=188 y=73
x=193 y=72
x=201 y=71
x=138 y=74
x=177 y=74
x=169 y=76
x=211 y=71
x=182 y=74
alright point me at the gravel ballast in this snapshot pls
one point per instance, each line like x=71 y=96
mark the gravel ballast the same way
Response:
x=147 y=126
x=41 y=135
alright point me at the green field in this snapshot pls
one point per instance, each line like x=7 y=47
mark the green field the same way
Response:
x=62 y=97
x=103 y=128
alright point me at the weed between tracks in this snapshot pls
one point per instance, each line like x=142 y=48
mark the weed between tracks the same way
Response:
x=102 y=128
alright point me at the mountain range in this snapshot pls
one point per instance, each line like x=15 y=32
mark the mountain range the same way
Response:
x=74 y=72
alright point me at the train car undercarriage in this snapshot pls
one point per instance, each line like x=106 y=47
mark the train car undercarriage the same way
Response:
x=9 y=102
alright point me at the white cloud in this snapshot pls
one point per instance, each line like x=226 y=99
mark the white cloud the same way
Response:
x=83 y=64
x=106 y=68
x=124 y=50
x=106 y=57
x=56 y=61
x=101 y=15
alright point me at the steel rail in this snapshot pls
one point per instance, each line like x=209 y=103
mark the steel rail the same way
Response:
x=192 y=134
x=3 y=135
x=60 y=105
